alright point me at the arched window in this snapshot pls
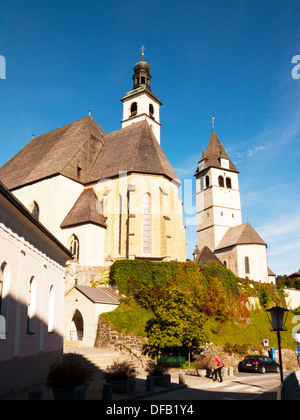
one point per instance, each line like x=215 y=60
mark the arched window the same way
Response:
x=147 y=224
x=207 y=181
x=31 y=307
x=228 y=182
x=120 y=224
x=74 y=246
x=151 y=111
x=221 y=181
x=133 y=109
x=51 y=310
x=4 y=289
x=247 y=265
x=35 y=210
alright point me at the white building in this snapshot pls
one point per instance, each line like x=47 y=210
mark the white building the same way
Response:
x=32 y=272
x=219 y=217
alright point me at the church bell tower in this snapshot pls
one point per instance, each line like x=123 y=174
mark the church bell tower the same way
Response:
x=140 y=103
x=217 y=194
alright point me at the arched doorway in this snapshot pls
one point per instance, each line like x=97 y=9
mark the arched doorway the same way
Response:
x=76 y=331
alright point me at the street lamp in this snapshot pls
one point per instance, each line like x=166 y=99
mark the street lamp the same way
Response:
x=278 y=320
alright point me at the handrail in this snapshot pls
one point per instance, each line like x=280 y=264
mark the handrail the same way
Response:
x=131 y=352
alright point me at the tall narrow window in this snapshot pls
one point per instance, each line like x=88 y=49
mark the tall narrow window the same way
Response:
x=228 y=182
x=207 y=181
x=51 y=310
x=247 y=265
x=74 y=246
x=147 y=224
x=4 y=289
x=133 y=109
x=221 y=181
x=35 y=210
x=31 y=309
x=120 y=224
x=151 y=110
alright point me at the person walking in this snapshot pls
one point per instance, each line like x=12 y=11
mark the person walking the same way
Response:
x=218 y=372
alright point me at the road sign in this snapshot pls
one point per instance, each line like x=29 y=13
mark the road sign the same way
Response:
x=266 y=343
x=298 y=350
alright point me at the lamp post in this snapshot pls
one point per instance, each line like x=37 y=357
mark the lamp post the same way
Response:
x=278 y=320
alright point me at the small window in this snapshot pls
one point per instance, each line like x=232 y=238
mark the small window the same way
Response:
x=151 y=110
x=74 y=246
x=133 y=109
x=247 y=265
x=34 y=210
x=221 y=181
x=207 y=181
x=228 y=182
x=225 y=263
x=143 y=79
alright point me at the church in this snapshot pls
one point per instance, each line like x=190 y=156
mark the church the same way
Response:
x=221 y=235
x=105 y=196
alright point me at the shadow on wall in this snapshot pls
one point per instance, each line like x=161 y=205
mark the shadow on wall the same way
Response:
x=28 y=346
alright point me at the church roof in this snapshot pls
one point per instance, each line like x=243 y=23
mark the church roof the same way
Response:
x=131 y=149
x=243 y=234
x=69 y=151
x=214 y=152
x=85 y=211
x=205 y=256
x=83 y=152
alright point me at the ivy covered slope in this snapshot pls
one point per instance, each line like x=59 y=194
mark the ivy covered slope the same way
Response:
x=182 y=304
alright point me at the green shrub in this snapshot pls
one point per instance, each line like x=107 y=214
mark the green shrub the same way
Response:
x=68 y=372
x=120 y=371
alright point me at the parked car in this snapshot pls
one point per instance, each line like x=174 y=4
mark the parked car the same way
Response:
x=261 y=364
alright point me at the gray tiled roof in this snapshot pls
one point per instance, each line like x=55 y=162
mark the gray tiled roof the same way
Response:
x=214 y=152
x=98 y=294
x=243 y=234
x=84 y=211
x=83 y=152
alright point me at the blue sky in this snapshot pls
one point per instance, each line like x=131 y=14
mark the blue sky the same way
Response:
x=209 y=58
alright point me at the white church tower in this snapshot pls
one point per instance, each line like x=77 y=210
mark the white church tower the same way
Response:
x=218 y=194
x=140 y=103
x=221 y=235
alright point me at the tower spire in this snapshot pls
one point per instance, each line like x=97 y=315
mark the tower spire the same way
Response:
x=142 y=50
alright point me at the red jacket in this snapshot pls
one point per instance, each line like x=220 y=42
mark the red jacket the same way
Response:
x=219 y=362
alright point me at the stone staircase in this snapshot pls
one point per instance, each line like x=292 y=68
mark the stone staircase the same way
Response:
x=98 y=359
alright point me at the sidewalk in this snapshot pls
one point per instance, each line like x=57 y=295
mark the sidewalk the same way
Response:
x=94 y=390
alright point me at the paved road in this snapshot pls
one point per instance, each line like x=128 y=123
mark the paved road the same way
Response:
x=245 y=387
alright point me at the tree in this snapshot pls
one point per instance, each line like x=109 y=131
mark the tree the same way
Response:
x=177 y=323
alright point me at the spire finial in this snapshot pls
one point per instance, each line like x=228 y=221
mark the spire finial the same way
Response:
x=90 y=112
x=213 y=122
x=143 y=49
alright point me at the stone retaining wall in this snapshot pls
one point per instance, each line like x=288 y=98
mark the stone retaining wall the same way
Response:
x=109 y=338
